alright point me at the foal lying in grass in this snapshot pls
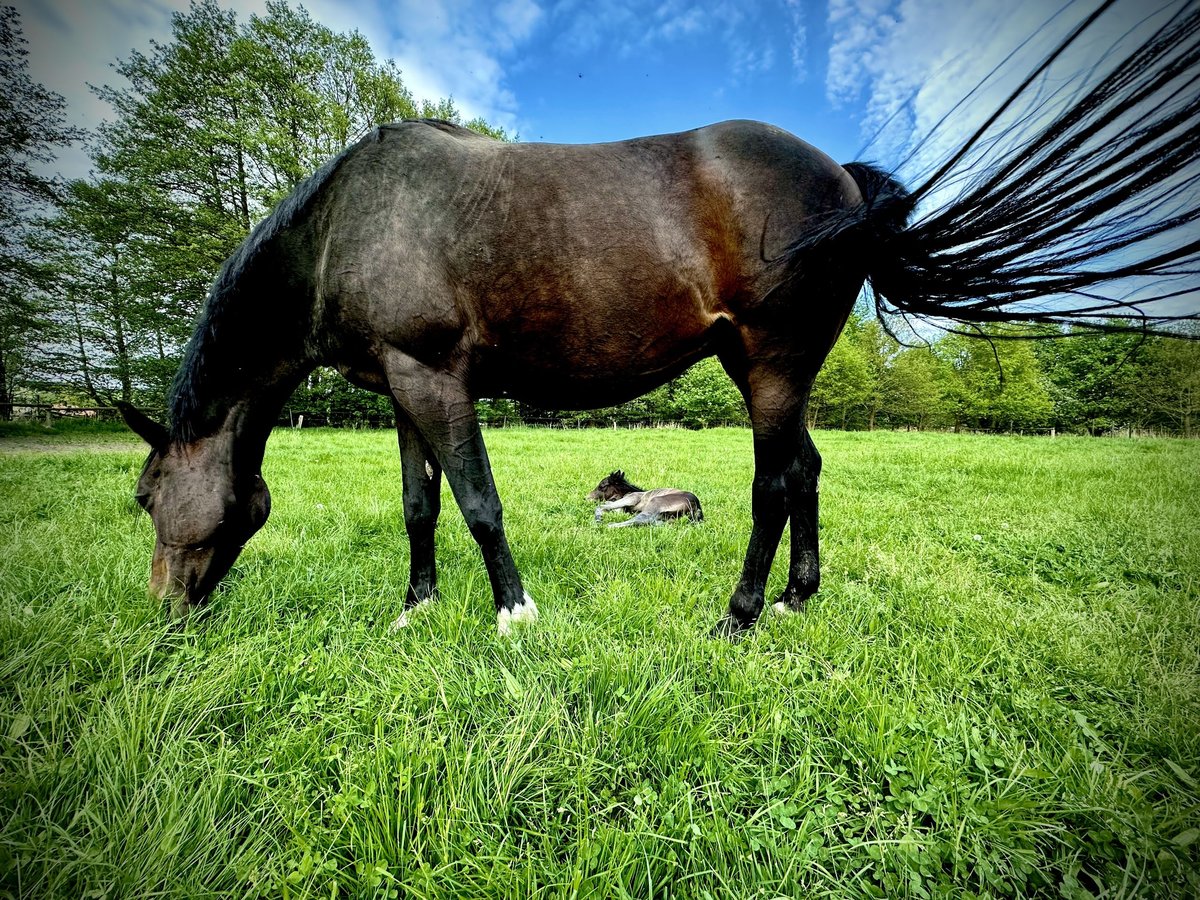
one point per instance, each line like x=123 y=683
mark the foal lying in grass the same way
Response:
x=649 y=507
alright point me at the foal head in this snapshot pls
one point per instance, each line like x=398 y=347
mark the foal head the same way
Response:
x=613 y=487
x=204 y=510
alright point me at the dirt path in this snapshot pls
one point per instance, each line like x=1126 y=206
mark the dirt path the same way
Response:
x=50 y=445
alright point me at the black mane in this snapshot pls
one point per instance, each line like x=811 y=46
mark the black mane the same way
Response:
x=226 y=309
x=617 y=479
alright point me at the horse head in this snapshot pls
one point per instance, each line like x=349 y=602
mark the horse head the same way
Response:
x=612 y=487
x=204 y=510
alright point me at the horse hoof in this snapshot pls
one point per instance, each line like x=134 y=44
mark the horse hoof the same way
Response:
x=526 y=611
x=402 y=620
x=783 y=609
x=729 y=628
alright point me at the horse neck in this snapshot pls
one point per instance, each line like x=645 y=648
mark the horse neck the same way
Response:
x=245 y=413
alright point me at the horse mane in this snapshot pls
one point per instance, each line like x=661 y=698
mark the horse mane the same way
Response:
x=226 y=309
x=618 y=479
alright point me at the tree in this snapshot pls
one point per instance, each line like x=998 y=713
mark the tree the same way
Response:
x=914 y=389
x=996 y=385
x=845 y=383
x=32 y=125
x=704 y=395
x=216 y=125
x=114 y=334
x=878 y=350
x=1088 y=375
x=1162 y=388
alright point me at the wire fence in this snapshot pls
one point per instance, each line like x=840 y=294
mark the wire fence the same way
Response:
x=49 y=413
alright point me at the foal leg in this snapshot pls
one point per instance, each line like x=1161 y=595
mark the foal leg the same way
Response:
x=804 y=573
x=608 y=505
x=642 y=518
x=439 y=406
x=422 y=503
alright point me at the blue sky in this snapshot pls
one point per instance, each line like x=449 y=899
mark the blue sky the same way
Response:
x=830 y=71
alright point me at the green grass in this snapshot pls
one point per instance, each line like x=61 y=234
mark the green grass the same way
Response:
x=994 y=694
x=62 y=428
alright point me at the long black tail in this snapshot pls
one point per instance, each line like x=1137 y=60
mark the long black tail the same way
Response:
x=1105 y=198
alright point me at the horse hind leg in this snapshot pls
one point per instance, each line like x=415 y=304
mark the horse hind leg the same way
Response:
x=804 y=571
x=776 y=409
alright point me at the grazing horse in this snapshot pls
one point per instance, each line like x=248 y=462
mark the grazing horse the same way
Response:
x=648 y=507
x=436 y=266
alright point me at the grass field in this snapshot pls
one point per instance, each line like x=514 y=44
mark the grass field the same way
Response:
x=995 y=693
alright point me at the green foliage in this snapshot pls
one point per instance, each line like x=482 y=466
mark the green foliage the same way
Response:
x=704 y=395
x=1109 y=381
x=1163 y=386
x=325 y=398
x=992 y=695
x=214 y=127
x=701 y=397
x=997 y=385
x=846 y=383
x=914 y=387
x=34 y=125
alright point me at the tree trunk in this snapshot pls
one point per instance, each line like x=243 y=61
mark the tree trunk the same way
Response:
x=243 y=198
x=6 y=410
x=85 y=369
x=123 y=367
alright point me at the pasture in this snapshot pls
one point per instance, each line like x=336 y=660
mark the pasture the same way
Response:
x=995 y=692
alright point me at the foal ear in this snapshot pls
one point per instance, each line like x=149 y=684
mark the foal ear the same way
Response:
x=143 y=426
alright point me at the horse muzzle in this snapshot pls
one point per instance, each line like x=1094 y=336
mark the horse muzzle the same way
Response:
x=182 y=578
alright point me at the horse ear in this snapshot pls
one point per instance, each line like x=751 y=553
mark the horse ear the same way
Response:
x=618 y=474
x=143 y=426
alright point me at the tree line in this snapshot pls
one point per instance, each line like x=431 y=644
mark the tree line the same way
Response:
x=104 y=275
x=1084 y=383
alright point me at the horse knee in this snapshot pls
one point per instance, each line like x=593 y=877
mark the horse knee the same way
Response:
x=767 y=498
x=485 y=523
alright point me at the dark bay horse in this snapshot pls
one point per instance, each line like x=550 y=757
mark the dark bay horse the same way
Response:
x=651 y=507
x=436 y=266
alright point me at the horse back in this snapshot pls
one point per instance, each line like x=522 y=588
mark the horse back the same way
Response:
x=670 y=503
x=631 y=256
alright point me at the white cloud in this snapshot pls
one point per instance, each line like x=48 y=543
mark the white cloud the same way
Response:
x=750 y=33
x=456 y=48
x=73 y=43
x=798 y=44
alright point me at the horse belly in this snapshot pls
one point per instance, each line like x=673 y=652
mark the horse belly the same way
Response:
x=596 y=327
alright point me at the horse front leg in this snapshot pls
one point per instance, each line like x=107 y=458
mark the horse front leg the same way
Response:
x=440 y=408
x=620 y=503
x=422 y=476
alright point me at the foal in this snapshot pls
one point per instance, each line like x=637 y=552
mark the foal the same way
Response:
x=650 y=507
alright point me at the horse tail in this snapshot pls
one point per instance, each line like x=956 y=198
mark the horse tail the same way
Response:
x=1090 y=221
